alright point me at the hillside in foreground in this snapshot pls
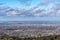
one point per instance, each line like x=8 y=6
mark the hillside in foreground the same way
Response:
x=51 y=37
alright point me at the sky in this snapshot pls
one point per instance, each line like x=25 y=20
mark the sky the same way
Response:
x=33 y=9
x=27 y=4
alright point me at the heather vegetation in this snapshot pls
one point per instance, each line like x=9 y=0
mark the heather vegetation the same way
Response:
x=51 y=37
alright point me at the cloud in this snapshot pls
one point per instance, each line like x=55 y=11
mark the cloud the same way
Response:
x=56 y=7
x=24 y=1
x=54 y=11
x=47 y=2
x=36 y=9
x=11 y=13
x=7 y=11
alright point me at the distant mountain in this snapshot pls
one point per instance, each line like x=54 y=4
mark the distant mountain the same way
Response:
x=30 y=22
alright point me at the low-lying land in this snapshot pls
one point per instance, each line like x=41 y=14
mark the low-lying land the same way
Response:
x=17 y=31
